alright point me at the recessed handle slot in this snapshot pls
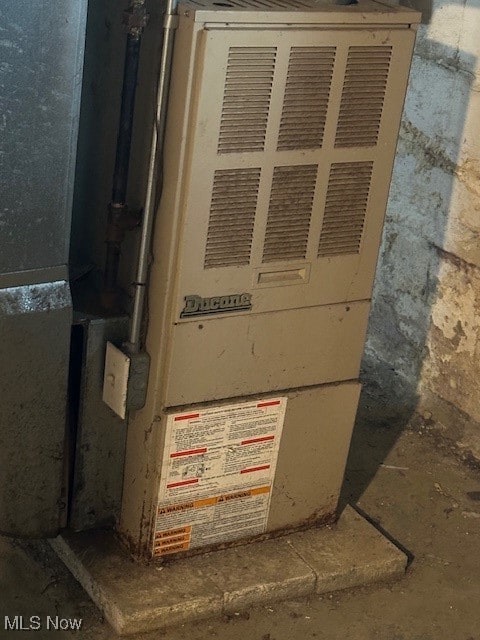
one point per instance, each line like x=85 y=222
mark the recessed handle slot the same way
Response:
x=287 y=275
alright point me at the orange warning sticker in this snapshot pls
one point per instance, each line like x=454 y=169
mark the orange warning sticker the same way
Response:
x=172 y=532
x=174 y=548
x=206 y=502
x=258 y=490
x=172 y=540
x=175 y=507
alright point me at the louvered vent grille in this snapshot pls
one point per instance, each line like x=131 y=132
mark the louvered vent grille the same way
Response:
x=289 y=212
x=307 y=91
x=246 y=99
x=345 y=208
x=232 y=216
x=363 y=96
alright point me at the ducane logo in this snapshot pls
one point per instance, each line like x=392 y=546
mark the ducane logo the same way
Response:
x=197 y=306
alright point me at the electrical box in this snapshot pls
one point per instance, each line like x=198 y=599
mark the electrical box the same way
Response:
x=281 y=133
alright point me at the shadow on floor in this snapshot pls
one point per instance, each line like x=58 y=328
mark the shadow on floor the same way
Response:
x=387 y=404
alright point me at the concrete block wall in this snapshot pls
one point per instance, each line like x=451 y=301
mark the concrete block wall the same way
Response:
x=425 y=320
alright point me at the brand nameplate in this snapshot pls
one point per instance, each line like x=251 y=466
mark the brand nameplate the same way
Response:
x=198 y=306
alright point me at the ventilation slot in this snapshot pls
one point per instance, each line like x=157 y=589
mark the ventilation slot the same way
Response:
x=306 y=97
x=261 y=4
x=363 y=96
x=289 y=212
x=246 y=99
x=345 y=208
x=232 y=216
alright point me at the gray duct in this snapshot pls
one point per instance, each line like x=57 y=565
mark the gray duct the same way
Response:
x=41 y=61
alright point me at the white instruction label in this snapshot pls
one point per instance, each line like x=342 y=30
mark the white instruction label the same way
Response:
x=217 y=474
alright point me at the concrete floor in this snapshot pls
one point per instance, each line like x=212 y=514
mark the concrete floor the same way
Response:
x=406 y=481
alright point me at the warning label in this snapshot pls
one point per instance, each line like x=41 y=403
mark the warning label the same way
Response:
x=217 y=474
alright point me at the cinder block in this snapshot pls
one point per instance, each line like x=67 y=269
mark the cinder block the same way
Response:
x=259 y=573
x=350 y=554
x=135 y=597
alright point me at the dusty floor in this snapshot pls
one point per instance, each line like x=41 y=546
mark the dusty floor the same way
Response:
x=408 y=483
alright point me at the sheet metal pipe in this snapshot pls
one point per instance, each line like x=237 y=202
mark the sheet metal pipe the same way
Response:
x=120 y=219
x=156 y=147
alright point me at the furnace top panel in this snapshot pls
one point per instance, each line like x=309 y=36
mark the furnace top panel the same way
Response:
x=312 y=12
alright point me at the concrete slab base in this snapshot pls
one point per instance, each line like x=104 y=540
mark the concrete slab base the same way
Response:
x=137 y=598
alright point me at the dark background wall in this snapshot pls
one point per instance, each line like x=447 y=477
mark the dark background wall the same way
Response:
x=104 y=58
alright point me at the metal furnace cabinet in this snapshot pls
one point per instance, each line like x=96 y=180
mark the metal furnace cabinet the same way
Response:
x=281 y=134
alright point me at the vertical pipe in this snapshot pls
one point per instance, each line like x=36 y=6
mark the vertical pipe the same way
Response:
x=156 y=146
x=124 y=136
x=119 y=219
